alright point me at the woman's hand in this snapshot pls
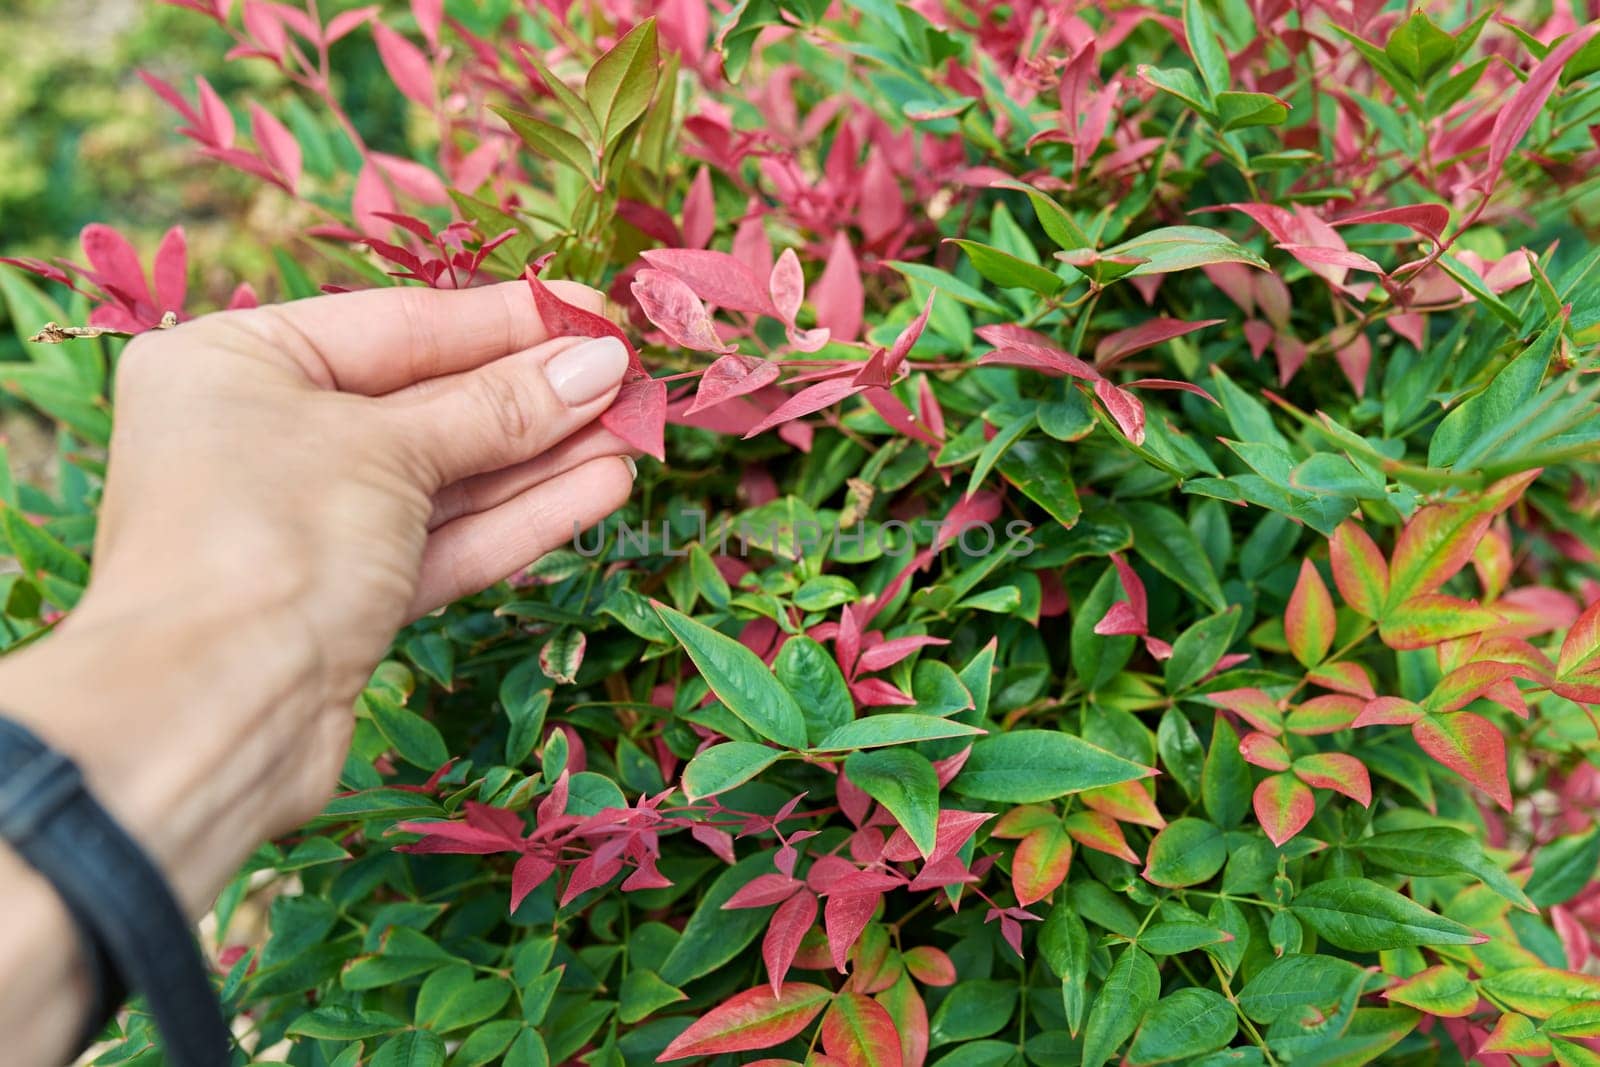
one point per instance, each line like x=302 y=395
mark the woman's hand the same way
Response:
x=287 y=486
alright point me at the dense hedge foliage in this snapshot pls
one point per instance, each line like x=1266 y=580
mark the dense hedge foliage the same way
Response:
x=1121 y=581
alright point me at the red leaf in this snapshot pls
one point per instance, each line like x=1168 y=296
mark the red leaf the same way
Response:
x=787 y=286
x=1471 y=746
x=1125 y=802
x=887 y=654
x=171 y=272
x=846 y=915
x=1467 y=683
x=1337 y=771
x=1518 y=114
x=1117 y=346
x=1124 y=407
x=639 y=416
x=858 y=1032
x=278 y=146
x=716 y=277
x=754 y=1019
x=1096 y=830
x=1359 y=570
x=837 y=295
x=115 y=263
x=763 y=891
x=1318 y=256
x=1019 y=347
x=1426 y=219
x=732 y=376
x=808 y=401
x=899 y=417
x=785 y=931
x=529 y=874
x=372 y=200
x=429 y=15
x=406 y=64
x=1172 y=386
x=1283 y=806
x=562 y=319
x=217 y=119
x=930 y=966
x=1309 y=622
x=673 y=307
x=1355 y=357
x=1264 y=750
x=908 y=338
x=699 y=211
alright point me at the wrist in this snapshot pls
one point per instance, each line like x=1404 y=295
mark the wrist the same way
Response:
x=177 y=719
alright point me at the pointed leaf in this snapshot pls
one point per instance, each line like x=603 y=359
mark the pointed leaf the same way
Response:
x=739 y=679
x=754 y=1019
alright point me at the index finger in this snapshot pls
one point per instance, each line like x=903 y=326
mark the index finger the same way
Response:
x=375 y=341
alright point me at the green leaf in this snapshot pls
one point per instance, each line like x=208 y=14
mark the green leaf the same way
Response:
x=551 y=142
x=1199 y=648
x=1289 y=983
x=906 y=784
x=804 y=666
x=1205 y=46
x=1363 y=916
x=1540 y=991
x=1186 y=852
x=1419 y=48
x=1170 y=939
x=1129 y=991
x=1495 y=414
x=451 y=998
x=1433 y=851
x=1174 y=248
x=946 y=282
x=414 y=1048
x=892 y=728
x=1225 y=781
x=714 y=936
x=739 y=679
x=1057 y=224
x=1236 y=111
x=643 y=993
x=338 y=1022
x=1172 y=548
x=417 y=740
x=1009 y=272
x=1043 y=472
x=526 y=707
x=1179 y=82
x=1564 y=867
x=1186 y=1023
x=975 y=1008
x=1004 y=437
x=487 y=1042
x=1181 y=752
x=1030 y=766
x=722 y=767
x=622 y=81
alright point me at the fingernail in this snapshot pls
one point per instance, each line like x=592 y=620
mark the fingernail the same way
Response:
x=633 y=468
x=586 y=371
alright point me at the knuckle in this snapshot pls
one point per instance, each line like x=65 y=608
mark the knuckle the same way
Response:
x=510 y=404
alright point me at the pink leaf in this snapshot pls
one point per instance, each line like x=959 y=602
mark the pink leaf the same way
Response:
x=1123 y=407
x=1354 y=358
x=715 y=277
x=899 y=417
x=846 y=915
x=1518 y=114
x=1018 y=347
x=1169 y=384
x=1117 y=346
x=838 y=295
x=429 y=15
x=1318 y=256
x=346 y=21
x=406 y=64
x=909 y=337
x=639 y=416
x=1426 y=219
x=412 y=178
x=890 y=652
x=807 y=401
x=172 y=272
x=278 y=146
x=785 y=930
x=673 y=307
x=372 y=200
x=787 y=286
x=699 y=211
x=218 y=120
x=115 y=263
x=750 y=244
x=529 y=874
x=732 y=376
x=562 y=319
x=763 y=891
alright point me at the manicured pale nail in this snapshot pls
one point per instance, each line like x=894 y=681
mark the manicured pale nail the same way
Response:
x=586 y=371
x=633 y=468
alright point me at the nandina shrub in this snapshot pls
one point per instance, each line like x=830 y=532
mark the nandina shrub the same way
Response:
x=1120 y=581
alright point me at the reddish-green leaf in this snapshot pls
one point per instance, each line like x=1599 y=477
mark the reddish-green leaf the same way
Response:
x=1437 y=542
x=1428 y=619
x=1254 y=706
x=1337 y=771
x=1578 y=666
x=1541 y=991
x=1125 y=802
x=1440 y=990
x=930 y=966
x=1309 y=622
x=910 y=1015
x=858 y=1032
x=1359 y=570
x=1343 y=677
x=1467 y=683
x=1096 y=830
x=1284 y=805
x=754 y=1019
x=1326 y=714
x=1041 y=863
x=1515 y=1035
x=1388 y=711
x=1265 y=751
x=1471 y=746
